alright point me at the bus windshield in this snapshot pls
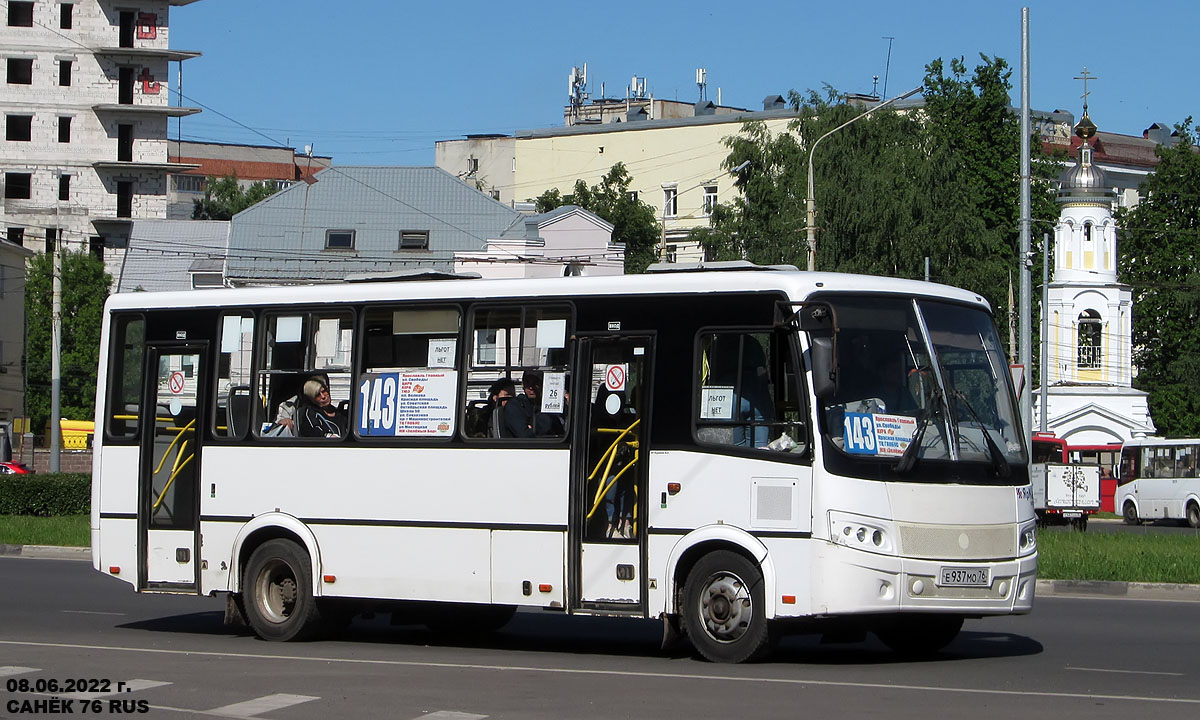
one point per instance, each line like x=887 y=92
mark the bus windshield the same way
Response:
x=921 y=373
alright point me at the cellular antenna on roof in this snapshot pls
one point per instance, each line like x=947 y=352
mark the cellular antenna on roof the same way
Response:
x=577 y=93
x=701 y=81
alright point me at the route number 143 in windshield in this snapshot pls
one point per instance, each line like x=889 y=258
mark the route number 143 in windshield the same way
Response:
x=859 y=433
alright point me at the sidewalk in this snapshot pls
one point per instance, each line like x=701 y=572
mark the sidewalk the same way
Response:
x=1045 y=588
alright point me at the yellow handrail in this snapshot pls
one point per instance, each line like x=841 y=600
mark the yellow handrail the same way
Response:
x=167 y=452
x=607 y=458
x=175 y=470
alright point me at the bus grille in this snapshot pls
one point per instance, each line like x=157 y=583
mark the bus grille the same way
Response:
x=958 y=542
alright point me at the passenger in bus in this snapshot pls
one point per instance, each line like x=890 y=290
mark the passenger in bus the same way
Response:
x=316 y=414
x=523 y=416
x=499 y=395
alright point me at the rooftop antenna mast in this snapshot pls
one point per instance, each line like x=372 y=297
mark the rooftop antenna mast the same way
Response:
x=577 y=93
x=701 y=82
x=888 y=67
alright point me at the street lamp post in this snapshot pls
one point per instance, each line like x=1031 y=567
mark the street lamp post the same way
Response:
x=811 y=203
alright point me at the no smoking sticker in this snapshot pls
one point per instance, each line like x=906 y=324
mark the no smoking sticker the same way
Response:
x=176 y=382
x=614 y=378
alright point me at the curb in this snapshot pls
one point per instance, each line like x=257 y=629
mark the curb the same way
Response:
x=1118 y=590
x=47 y=552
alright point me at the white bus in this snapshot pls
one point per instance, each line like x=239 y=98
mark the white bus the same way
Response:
x=1158 y=480
x=737 y=453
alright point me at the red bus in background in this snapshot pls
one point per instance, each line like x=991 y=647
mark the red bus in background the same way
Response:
x=1107 y=457
x=1048 y=448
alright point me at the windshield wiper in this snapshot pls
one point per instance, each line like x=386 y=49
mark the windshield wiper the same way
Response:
x=999 y=462
x=924 y=419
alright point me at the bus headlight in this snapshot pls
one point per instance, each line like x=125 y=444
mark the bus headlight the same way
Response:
x=862 y=533
x=1027 y=540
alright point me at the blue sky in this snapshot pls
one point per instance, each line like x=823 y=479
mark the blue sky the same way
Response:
x=377 y=82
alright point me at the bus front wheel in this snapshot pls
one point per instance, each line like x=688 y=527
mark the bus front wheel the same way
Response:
x=1129 y=513
x=1193 y=514
x=277 y=591
x=724 y=609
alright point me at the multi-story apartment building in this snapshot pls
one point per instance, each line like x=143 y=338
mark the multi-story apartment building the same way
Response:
x=85 y=106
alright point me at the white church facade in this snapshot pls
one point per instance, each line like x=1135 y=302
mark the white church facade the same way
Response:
x=1089 y=367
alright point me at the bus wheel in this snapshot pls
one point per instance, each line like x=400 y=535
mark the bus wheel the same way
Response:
x=724 y=608
x=1193 y=514
x=916 y=636
x=1129 y=513
x=277 y=590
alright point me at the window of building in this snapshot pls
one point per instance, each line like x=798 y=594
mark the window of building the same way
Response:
x=128 y=20
x=64 y=73
x=472 y=165
x=746 y=391
x=64 y=129
x=234 y=375
x=18 y=128
x=66 y=12
x=188 y=183
x=202 y=280
x=670 y=204
x=1087 y=231
x=51 y=239
x=96 y=248
x=339 y=239
x=633 y=195
x=304 y=353
x=408 y=384
x=20 y=71
x=1090 y=331
x=64 y=187
x=414 y=239
x=18 y=185
x=125 y=86
x=125 y=143
x=710 y=199
x=20 y=13
x=124 y=198
x=16 y=235
x=515 y=343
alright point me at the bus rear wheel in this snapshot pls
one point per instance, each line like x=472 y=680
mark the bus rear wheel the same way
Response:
x=724 y=609
x=1129 y=513
x=916 y=636
x=277 y=591
x=1193 y=514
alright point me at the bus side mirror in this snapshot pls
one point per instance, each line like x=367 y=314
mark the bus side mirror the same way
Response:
x=824 y=369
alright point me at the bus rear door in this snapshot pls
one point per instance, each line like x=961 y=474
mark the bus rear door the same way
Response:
x=168 y=491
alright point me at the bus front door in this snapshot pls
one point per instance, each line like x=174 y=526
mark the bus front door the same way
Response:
x=612 y=420
x=169 y=496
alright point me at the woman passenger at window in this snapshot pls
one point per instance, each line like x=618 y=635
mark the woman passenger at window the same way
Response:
x=317 y=416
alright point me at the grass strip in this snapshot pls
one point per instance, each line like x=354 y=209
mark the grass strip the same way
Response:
x=63 y=530
x=1124 y=557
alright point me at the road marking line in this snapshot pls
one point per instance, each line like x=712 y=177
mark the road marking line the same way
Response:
x=616 y=673
x=6 y=670
x=91 y=612
x=451 y=715
x=1130 y=672
x=267 y=703
x=130 y=686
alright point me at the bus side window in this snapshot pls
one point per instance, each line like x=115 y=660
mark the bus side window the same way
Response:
x=408 y=380
x=506 y=343
x=746 y=392
x=125 y=377
x=233 y=398
x=299 y=347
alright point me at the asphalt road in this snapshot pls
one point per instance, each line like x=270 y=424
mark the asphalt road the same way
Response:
x=1072 y=658
x=1152 y=527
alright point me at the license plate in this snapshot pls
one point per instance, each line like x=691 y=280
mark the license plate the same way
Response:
x=965 y=577
x=1070 y=515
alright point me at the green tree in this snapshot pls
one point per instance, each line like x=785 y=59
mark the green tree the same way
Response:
x=633 y=221
x=1159 y=241
x=84 y=288
x=892 y=189
x=224 y=198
